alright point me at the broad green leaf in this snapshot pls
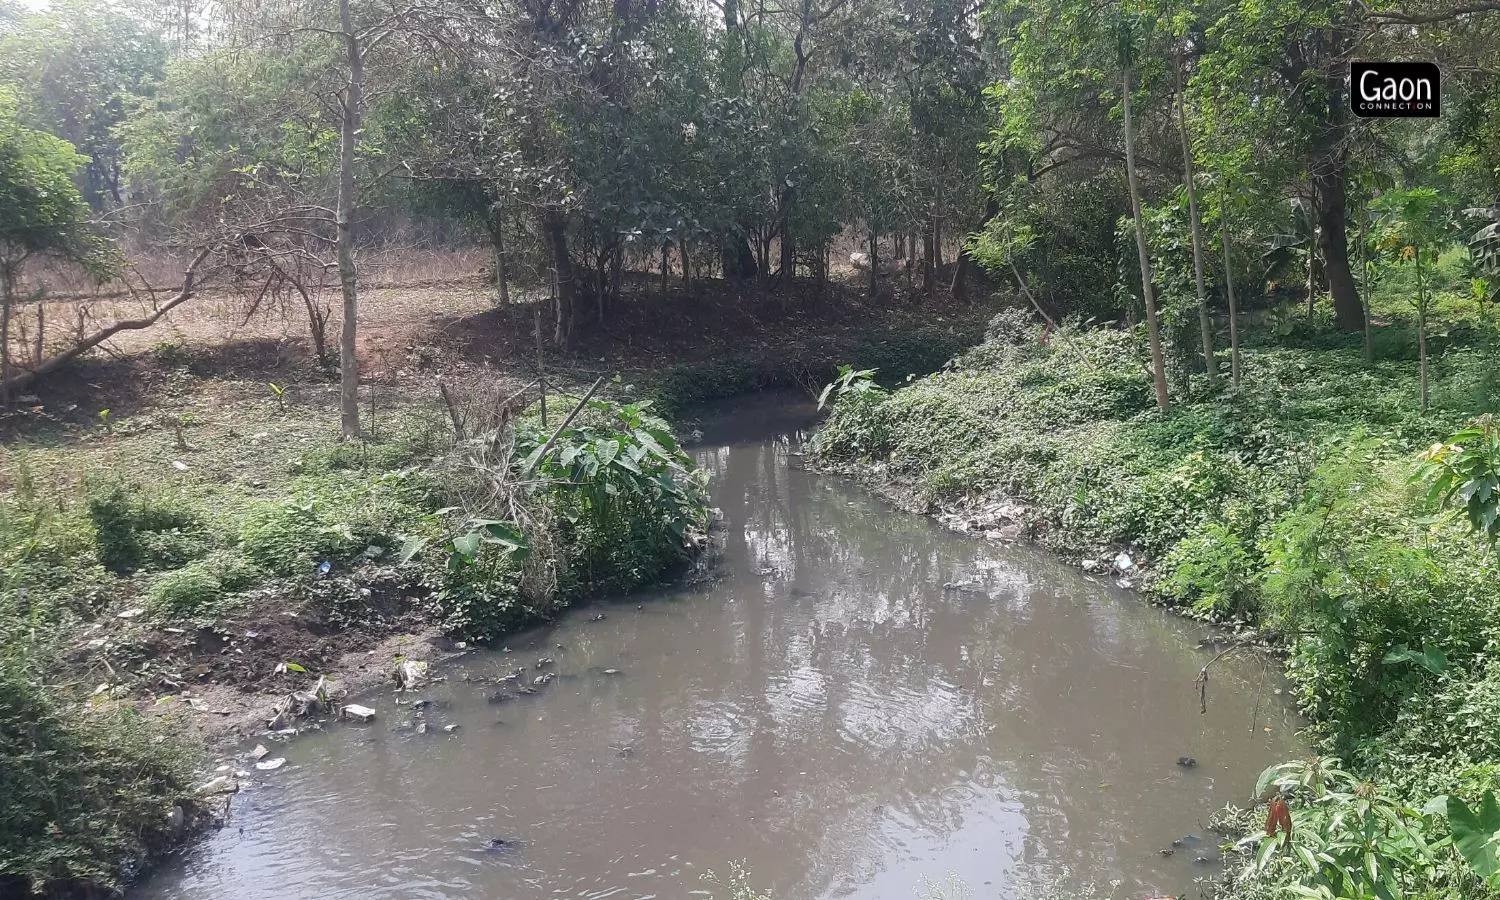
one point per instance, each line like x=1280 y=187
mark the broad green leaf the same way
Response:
x=1476 y=834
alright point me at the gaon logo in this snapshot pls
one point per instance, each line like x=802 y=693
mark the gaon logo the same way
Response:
x=1395 y=90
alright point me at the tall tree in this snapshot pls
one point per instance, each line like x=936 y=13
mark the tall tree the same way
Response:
x=1127 y=39
x=81 y=68
x=1195 y=224
x=41 y=214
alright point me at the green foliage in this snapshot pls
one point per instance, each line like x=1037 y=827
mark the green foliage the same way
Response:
x=41 y=211
x=84 y=791
x=200 y=589
x=624 y=494
x=1466 y=467
x=136 y=532
x=849 y=381
x=333 y=518
x=1348 y=839
x=1476 y=834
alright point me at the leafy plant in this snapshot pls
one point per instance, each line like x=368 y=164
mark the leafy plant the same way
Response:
x=1476 y=834
x=1466 y=467
x=849 y=381
x=1338 y=837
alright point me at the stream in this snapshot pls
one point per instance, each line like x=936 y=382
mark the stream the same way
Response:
x=832 y=711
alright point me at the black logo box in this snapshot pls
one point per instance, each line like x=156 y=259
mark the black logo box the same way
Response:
x=1395 y=90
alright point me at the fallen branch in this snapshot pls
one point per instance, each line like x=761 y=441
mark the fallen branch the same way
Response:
x=1202 y=679
x=18 y=382
x=565 y=423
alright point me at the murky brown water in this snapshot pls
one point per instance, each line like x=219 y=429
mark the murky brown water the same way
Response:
x=827 y=712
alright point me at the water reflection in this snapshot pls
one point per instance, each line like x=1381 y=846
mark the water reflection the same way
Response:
x=828 y=711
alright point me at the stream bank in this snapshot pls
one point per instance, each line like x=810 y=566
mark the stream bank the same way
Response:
x=1286 y=509
x=859 y=699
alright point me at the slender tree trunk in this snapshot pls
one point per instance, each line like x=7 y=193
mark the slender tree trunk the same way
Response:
x=1312 y=282
x=1234 y=312
x=874 y=263
x=353 y=102
x=682 y=256
x=1205 y=321
x=665 y=267
x=960 y=286
x=41 y=332
x=788 y=246
x=616 y=268
x=929 y=253
x=1331 y=202
x=1421 y=332
x=497 y=237
x=1153 y=326
x=1364 y=271
x=7 y=295
x=937 y=233
x=564 y=278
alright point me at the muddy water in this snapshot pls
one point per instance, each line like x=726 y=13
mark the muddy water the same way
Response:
x=828 y=712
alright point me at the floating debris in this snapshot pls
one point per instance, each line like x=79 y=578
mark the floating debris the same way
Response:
x=268 y=765
x=409 y=673
x=359 y=713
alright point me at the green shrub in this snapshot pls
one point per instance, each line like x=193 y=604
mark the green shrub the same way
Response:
x=49 y=561
x=145 y=532
x=201 y=588
x=83 y=791
x=333 y=518
x=1215 y=572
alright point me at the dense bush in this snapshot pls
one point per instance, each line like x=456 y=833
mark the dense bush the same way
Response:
x=136 y=531
x=84 y=792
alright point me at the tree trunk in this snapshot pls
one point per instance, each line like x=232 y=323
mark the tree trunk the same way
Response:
x=929 y=254
x=23 y=379
x=1364 y=271
x=788 y=246
x=497 y=238
x=960 y=286
x=874 y=264
x=317 y=324
x=682 y=257
x=937 y=234
x=353 y=101
x=565 y=279
x=1312 y=283
x=1153 y=326
x=1328 y=172
x=7 y=292
x=1205 y=321
x=616 y=267
x=1421 y=332
x=1234 y=312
